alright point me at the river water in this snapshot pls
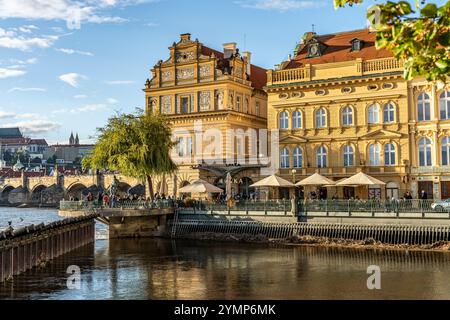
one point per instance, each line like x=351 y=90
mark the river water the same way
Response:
x=165 y=269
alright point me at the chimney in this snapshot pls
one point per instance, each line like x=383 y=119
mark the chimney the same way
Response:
x=185 y=37
x=229 y=49
x=248 y=60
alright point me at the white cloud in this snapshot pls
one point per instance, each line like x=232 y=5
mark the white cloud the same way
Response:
x=280 y=5
x=80 y=96
x=112 y=101
x=27 y=89
x=23 y=62
x=152 y=24
x=120 y=82
x=73 y=51
x=6 y=115
x=72 y=79
x=10 y=73
x=20 y=39
x=90 y=107
x=87 y=10
x=37 y=126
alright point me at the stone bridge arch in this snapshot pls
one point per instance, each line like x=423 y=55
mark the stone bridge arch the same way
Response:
x=36 y=193
x=76 y=190
x=4 y=193
x=40 y=181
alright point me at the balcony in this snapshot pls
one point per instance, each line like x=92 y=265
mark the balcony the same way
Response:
x=356 y=67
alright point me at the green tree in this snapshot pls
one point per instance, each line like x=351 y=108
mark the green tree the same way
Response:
x=8 y=157
x=52 y=159
x=36 y=160
x=421 y=39
x=138 y=145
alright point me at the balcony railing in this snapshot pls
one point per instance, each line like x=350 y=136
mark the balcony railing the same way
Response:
x=308 y=73
x=126 y=204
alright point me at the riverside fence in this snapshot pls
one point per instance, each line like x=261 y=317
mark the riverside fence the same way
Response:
x=32 y=246
x=385 y=233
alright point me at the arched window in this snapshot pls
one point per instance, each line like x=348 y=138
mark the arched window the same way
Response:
x=389 y=154
x=423 y=107
x=298 y=157
x=374 y=155
x=446 y=151
x=297 y=120
x=321 y=157
x=349 y=156
x=347 y=116
x=284 y=158
x=425 y=149
x=444 y=105
x=321 y=118
x=374 y=113
x=284 y=120
x=388 y=113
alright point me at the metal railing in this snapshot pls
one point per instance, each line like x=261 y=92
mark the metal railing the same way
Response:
x=248 y=205
x=373 y=206
x=84 y=205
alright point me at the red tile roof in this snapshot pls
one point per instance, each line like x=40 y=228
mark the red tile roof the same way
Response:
x=258 y=75
x=338 y=49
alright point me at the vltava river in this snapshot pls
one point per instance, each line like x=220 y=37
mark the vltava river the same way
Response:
x=165 y=269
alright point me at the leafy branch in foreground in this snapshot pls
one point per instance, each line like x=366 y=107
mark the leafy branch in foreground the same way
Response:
x=421 y=39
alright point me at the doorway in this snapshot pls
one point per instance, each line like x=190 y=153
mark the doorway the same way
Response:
x=428 y=187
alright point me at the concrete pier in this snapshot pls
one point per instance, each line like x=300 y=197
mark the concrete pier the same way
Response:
x=29 y=247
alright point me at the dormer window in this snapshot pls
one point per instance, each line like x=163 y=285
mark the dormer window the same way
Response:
x=357 y=44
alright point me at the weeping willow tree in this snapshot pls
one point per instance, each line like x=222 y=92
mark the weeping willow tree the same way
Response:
x=138 y=145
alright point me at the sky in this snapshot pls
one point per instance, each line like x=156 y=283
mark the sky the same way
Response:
x=67 y=66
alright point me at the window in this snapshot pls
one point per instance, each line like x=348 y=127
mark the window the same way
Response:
x=297 y=120
x=284 y=158
x=257 y=108
x=184 y=101
x=321 y=118
x=284 y=120
x=349 y=156
x=347 y=116
x=298 y=157
x=446 y=151
x=356 y=44
x=389 y=154
x=374 y=114
x=321 y=157
x=444 y=105
x=184 y=146
x=238 y=104
x=374 y=155
x=389 y=113
x=425 y=152
x=423 y=107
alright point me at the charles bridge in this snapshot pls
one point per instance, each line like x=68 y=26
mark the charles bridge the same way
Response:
x=50 y=190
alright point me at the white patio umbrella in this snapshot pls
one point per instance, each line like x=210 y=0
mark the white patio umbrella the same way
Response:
x=200 y=186
x=360 y=179
x=273 y=181
x=316 y=180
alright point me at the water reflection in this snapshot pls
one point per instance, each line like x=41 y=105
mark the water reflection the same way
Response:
x=164 y=269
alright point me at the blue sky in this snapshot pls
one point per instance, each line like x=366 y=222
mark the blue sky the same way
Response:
x=55 y=79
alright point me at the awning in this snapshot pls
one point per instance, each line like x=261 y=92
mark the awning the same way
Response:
x=273 y=181
x=316 y=180
x=360 y=179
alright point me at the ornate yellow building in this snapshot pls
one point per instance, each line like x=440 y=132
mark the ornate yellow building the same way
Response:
x=214 y=100
x=343 y=107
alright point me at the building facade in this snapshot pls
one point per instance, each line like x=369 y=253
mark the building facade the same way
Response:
x=215 y=102
x=343 y=107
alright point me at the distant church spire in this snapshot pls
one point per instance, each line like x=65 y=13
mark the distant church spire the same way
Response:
x=77 y=140
x=71 y=139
